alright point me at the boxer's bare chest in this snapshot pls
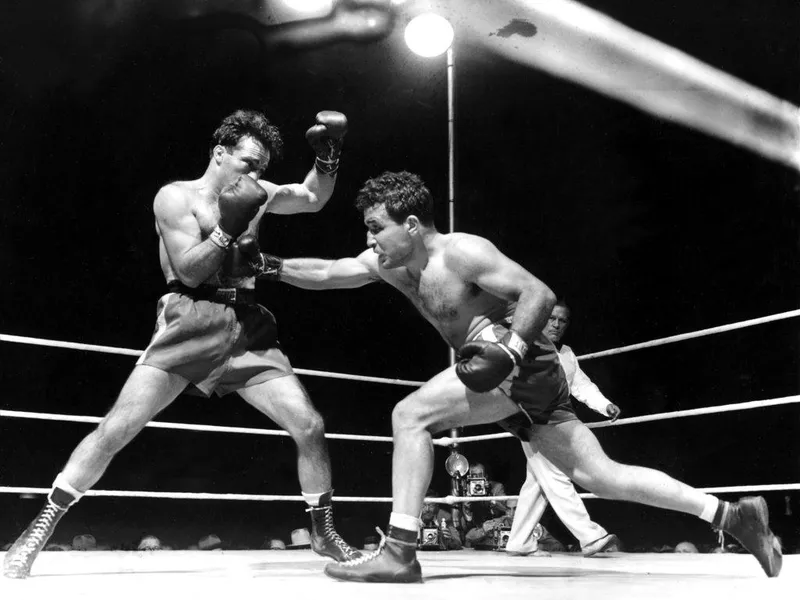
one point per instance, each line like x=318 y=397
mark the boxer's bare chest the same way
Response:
x=438 y=293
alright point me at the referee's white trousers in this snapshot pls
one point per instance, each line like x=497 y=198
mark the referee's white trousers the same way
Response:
x=544 y=481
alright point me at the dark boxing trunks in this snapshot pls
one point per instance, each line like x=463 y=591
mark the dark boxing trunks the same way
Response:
x=538 y=386
x=219 y=347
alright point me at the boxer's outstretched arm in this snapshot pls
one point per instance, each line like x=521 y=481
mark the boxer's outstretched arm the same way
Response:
x=324 y=274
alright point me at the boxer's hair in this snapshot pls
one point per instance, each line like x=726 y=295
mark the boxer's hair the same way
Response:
x=403 y=194
x=248 y=123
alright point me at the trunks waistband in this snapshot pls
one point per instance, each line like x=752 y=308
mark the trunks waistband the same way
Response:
x=214 y=294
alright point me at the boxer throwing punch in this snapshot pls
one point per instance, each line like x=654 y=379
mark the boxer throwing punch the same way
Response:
x=492 y=311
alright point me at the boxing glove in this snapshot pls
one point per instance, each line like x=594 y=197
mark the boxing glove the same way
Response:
x=238 y=205
x=483 y=365
x=326 y=138
x=265 y=266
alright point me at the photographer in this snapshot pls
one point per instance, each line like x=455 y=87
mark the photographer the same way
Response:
x=480 y=520
x=448 y=537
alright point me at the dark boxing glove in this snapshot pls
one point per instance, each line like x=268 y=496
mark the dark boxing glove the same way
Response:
x=482 y=365
x=238 y=205
x=265 y=266
x=326 y=138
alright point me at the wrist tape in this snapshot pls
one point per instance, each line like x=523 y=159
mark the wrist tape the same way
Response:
x=516 y=344
x=220 y=238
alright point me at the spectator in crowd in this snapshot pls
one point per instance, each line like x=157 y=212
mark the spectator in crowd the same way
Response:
x=480 y=520
x=432 y=515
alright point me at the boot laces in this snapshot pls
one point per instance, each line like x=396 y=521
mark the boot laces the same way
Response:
x=366 y=557
x=42 y=527
x=330 y=533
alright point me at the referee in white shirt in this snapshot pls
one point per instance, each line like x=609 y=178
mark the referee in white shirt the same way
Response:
x=545 y=482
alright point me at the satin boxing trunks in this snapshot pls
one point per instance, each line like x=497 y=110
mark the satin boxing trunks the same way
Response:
x=538 y=386
x=219 y=344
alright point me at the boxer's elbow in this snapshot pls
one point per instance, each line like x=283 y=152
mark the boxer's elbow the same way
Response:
x=548 y=298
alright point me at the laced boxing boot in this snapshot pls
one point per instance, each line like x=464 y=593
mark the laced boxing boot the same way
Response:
x=748 y=521
x=19 y=558
x=325 y=541
x=395 y=561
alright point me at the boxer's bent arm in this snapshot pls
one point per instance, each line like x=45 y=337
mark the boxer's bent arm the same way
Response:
x=478 y=261
x=293 y=198
x=324 y=274
x=192 y=259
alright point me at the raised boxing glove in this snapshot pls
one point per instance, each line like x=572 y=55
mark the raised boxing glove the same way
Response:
x=483 y=365
x=265 y=266
x=326 y=138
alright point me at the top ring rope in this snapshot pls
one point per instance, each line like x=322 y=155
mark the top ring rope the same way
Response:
x=694 y=334
x=16 y=414
x=17 y=339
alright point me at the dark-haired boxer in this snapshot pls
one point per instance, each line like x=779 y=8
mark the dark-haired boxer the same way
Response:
x=493 y=312
x=210 y=334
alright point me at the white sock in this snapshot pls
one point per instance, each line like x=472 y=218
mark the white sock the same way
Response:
x=710 y=508
x=62 y=483
x=407 y=522
x=312 y=499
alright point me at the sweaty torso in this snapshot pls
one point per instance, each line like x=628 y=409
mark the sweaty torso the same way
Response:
x=458 y=309
x=234 y=271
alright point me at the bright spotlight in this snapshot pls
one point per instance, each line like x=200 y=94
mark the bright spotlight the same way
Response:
x=429 y=35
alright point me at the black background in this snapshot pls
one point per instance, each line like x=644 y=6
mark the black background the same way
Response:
x=647 y=228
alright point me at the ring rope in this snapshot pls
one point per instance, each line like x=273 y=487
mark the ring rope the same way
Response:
x=407 y=382
x=15 y=414
x=646 y=418
x=283 y=498
x=17 y=339
x=442 y=441
x=694 y=334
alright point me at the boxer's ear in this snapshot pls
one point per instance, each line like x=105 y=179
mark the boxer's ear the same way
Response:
x=217 y=153
x=412 y=225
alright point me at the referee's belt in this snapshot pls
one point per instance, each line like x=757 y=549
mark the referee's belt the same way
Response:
x=214 y=294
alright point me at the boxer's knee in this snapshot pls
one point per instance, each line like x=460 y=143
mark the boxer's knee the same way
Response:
x=606 y=480
x=307 y=427
x=408 y=415
x=112 y=435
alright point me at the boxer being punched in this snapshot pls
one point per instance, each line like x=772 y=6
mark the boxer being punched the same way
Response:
x=210 y=335
x=493 y=312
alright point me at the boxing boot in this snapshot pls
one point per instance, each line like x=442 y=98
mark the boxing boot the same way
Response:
x=325 y=541
x=395 y=561
x=748 y=521
x=19 y=558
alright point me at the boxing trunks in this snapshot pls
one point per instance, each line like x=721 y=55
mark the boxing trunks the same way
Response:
x=538 y=386
x=218 y=339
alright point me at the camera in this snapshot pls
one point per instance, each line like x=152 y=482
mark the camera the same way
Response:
x=477 y=486
x=429 y=539
x=501 y=535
